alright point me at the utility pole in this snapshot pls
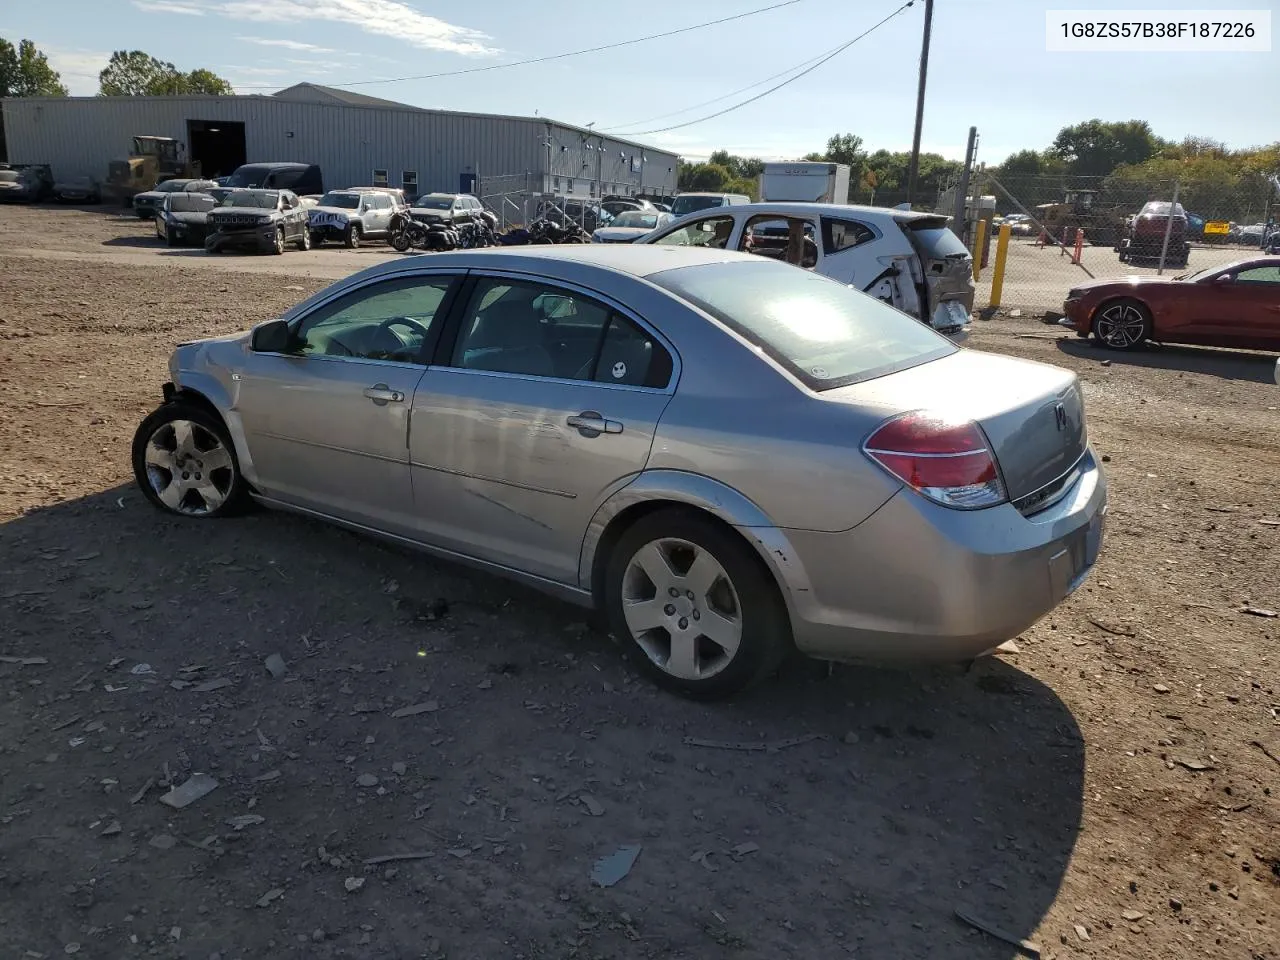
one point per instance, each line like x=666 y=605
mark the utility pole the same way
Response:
x=914 y=167
x=959 y=222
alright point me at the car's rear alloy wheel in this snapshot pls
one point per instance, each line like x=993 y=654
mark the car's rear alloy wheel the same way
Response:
x=279 y=245
x=701 y=609
x=1122 y=324
x=184 y=462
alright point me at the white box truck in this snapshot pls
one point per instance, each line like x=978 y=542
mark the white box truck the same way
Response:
x=804 y=183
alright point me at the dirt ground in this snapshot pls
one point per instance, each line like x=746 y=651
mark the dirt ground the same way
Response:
x=1112 y=789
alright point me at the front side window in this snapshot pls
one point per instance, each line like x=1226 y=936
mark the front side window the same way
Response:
x=711 y=232
x=1259 y=275
x=826 y=334
x=692 y=203
x=392 y=321
x=536 y=330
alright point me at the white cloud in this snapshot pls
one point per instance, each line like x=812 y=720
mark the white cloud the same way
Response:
x=384 y=18
x=288 y=44
x=79 y=68
x=188 y=7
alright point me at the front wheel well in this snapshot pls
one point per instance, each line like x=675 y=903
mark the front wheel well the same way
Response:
x=197 y=399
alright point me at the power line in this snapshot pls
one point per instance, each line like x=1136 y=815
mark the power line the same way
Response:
x=548 y=59
x=725 y=96
x=760 y=96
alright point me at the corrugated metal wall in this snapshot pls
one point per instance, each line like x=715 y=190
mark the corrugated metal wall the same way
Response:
x=80 y=135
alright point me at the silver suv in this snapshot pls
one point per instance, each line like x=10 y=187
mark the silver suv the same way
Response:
x=350 y=216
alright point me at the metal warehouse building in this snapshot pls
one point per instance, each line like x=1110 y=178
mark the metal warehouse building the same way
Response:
x=356 y=140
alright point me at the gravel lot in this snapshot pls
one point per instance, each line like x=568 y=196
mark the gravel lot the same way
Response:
x=1112 y=789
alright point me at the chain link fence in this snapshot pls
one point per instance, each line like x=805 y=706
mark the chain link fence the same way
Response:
x=1069 y=230
x=518 y=199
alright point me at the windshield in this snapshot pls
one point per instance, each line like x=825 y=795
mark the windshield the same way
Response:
x=823 y=332
x=690 y=203
x=348 y=201
x=8 y=176
x=1160 y=208
x=190 y=203
x=434 y=203
x=937 y=242
x=171 y=186
x=248 y=176
x=635 y=218
x=266 y=199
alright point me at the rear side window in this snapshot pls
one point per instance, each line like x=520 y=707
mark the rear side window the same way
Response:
x=824 y=333
x=840 y=235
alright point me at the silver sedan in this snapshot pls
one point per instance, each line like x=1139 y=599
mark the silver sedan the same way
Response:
x=732 y=458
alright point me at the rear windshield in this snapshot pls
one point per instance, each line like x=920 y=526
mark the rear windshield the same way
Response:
x=636 y=218
x=8 y=176
x=691 y=204
x=936 y=242
x=823 y=332
x=348 y=201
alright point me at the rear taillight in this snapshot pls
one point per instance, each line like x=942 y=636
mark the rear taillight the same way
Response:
x=945 y=460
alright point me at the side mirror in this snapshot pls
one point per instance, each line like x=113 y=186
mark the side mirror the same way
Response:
x=274 y=336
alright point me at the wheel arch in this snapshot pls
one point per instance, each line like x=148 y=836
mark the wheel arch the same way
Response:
x=661 y=489
x=208 y=394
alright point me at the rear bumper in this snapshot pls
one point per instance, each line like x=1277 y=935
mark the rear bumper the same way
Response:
x=917 y=582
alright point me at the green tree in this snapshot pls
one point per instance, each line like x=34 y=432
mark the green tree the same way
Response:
x=133 y=73
x=742 y=168
x=25 y=72
x=1096 y=147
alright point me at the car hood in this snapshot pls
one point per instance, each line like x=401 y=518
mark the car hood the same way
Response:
x=242 y=211
x=621 y=233
x=340 y=211
x=1119 y=283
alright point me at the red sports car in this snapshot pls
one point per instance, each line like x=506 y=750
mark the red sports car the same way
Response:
x=1233 y=305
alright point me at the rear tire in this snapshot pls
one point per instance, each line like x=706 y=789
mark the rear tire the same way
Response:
x=1123 y=324
x=705 y=581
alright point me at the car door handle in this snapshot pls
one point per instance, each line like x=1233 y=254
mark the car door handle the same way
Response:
x=590 y=424
x=381 y=394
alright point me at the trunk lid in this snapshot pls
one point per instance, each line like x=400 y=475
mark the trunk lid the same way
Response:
x=1031 y=413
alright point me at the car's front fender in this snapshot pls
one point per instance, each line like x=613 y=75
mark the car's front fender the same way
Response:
x=717 y=499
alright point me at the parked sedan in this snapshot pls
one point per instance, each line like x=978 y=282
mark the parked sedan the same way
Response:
x=184 y=218
x=729 y=456
x=78 y=190
x=630 y=225
x=146 y=204
x=1234 y=305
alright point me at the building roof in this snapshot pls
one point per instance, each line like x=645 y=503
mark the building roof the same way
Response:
x=318 y=93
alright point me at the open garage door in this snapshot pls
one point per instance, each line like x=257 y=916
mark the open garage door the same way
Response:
x=217 y=145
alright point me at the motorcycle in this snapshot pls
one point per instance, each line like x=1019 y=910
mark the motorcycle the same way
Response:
x=437 y=237
x=407 y=232
x=546 y=230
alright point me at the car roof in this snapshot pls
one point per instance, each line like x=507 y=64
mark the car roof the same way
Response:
x=822 y=209
x=637 y=261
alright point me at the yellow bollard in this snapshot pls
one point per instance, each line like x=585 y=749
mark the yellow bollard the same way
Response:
x=1002 y=251
x=979 y=241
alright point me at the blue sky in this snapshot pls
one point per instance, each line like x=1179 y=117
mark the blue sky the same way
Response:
x=988 y=66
